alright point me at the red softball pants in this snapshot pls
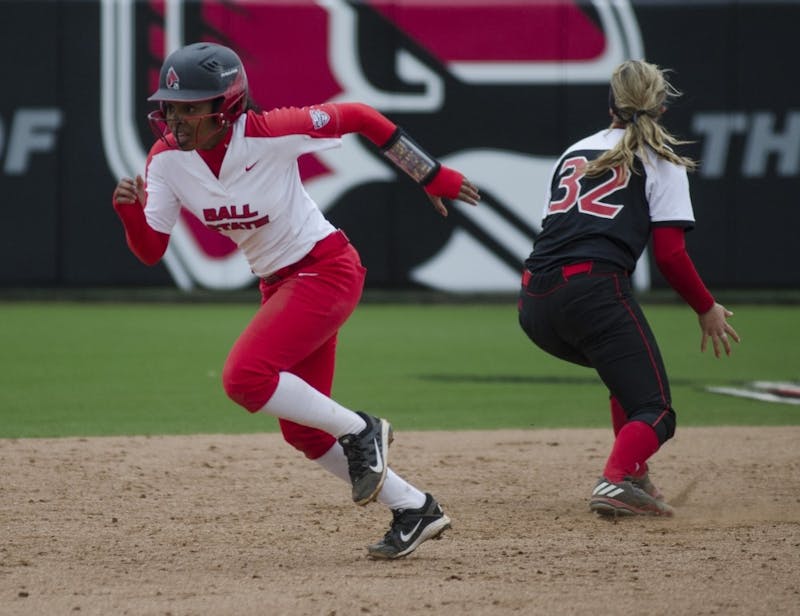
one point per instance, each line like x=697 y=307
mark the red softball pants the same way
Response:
x=303 y=306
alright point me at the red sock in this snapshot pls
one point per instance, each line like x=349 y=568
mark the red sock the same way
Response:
x=618 y=416
x=635 y=443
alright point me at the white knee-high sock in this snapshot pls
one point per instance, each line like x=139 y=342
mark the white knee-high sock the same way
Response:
x=396 y=492
x=297 y=401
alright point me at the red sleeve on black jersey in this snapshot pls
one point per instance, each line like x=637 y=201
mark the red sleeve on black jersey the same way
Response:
x=669 y=249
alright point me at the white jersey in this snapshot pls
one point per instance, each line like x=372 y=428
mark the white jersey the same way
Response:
x=258 y=200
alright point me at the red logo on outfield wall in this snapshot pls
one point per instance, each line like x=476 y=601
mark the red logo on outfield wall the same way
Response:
x=418 y=62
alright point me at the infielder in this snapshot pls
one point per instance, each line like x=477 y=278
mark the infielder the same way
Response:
x=235 y=168
x=608 y=193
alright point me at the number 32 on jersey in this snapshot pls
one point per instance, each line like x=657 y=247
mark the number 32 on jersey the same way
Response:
x=591 y=201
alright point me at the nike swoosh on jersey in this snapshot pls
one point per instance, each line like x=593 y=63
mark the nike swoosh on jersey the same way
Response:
x=406 y=536
x=378 y=467
x=250 y=166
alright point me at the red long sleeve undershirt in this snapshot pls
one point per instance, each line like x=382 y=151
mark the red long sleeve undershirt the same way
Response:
x=669 y=250
x=145 y=242
x=363 y=119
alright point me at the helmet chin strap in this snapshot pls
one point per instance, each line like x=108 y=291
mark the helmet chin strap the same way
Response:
x=223 y=125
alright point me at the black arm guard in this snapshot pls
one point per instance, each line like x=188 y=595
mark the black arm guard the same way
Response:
x=407 y=155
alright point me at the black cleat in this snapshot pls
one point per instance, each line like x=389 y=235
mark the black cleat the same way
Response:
x=367 y=454
x=625 y=498
x=410 y=527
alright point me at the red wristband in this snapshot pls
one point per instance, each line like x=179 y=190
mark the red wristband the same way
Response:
x=446 y=183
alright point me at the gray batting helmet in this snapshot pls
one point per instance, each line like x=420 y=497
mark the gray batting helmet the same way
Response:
x=201 y=72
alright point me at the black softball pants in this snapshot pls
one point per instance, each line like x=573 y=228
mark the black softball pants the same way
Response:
x=586 y=314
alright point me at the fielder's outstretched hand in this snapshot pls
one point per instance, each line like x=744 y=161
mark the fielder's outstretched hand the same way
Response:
x=714 y=324
x=468 y=193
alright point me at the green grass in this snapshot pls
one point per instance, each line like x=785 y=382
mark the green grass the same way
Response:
x=83 y=369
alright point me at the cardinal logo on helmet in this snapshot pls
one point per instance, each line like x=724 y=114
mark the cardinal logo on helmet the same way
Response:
x=173 y=81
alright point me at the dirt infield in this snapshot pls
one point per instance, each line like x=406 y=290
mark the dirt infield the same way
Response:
x=241 y=525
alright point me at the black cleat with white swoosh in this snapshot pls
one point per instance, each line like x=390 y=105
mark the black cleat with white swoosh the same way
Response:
x=410 y=527
x=367 y=454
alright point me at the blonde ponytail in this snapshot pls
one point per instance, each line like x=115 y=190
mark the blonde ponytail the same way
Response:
x=638 y=96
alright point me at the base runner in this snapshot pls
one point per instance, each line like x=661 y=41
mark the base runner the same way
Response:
x=235 y=168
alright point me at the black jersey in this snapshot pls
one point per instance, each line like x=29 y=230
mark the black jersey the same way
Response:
x=607 y=218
